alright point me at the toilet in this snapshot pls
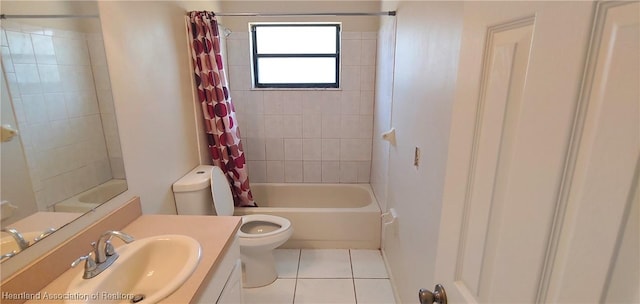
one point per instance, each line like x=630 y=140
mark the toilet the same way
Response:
x=205 y=190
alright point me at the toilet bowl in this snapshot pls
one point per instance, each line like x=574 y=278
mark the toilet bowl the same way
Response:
x=258 y=235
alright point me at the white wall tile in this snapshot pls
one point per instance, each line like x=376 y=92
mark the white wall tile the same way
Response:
x=255 y=148
x=311 y=149
x=368 y=52
x=366 y=102
x=292 y=102
x=255 y=101
x=312 y=171
x=34 y=108
x=20 y=47
x=28 y=78
x=293 y=149
x=255 y=127
x=355 y=149
x=6 y=60
x=348 y=172
x=273 y=102
x=239 y=77
x=330 y=171
x=351 y=52
x=350 y=78
x=350 y=102
x=238 y=52
x=364 y=171
x=50 y=79
x=273 y=125
x=349 y=126
x=369 y=35
x=365 y=126
x=43 y=49
x=292 y=126
x=3 y=36
x=312 y=126
x=367 y=78
x=55 y=105
x=331 y=126
x=351 y=35
x=70 y=51
x=257 y=171
x=330 y=149
x=293 y=171
x=274 y=149
x=275 y=171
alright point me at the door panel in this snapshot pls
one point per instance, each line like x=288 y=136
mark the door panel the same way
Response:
x=518 y=83
x=508 y=53
x=605 y=181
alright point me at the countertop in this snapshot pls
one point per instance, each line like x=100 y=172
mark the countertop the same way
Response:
x=215 y=234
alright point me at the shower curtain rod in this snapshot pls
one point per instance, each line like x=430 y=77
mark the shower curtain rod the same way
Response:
x=387 y=13
x=3 y=16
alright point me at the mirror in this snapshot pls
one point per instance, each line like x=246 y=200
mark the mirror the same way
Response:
x=60 y=151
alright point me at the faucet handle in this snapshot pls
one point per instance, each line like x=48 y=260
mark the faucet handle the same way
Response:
x=89 y=265
x=108 y=248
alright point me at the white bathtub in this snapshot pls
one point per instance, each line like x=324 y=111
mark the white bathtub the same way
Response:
x=93 y=197
x=322 y=215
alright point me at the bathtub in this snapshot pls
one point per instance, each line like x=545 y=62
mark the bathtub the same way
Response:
x=88 y=200
x=322 y=215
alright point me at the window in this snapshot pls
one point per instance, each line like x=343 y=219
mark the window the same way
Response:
x=296 y=55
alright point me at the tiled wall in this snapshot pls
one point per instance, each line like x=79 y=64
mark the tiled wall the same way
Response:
x=58 y=108
x=311 y=136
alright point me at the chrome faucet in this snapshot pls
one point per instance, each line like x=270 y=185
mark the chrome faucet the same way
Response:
x=44 y=234
x=104 y=252
x=22 y=243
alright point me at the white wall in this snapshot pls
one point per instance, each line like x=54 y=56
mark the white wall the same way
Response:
x=385 y=62
x=427 y=48
x=148 y=62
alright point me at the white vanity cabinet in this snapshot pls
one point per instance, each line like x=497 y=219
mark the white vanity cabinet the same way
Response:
x=224 y=284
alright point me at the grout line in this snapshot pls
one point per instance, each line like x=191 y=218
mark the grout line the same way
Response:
x=353 y=279
x=295 y=286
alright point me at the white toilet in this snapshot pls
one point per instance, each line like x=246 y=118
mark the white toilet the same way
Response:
x=205 y=190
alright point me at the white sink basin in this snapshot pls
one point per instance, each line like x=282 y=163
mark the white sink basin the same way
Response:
x=153 y=267
x=9 y=244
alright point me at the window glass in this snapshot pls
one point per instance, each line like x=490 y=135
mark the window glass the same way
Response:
x=295 y=55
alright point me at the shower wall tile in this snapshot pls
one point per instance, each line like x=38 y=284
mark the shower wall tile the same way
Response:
x=312 y=171
x=312 y=149
x=274 y=148
x=307 y=136
x=330 y=172
x=293 y=149
x=275 y=171
x=311 y=126
x=293 y=171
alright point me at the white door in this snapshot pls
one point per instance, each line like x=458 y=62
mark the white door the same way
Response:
x=529 y=171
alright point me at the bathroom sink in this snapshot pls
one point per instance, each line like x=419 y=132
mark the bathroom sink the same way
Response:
x=150 y=268
x=8 y=243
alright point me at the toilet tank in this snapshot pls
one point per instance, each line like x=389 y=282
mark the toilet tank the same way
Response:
x=192 y=192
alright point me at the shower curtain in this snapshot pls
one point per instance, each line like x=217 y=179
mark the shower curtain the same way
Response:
x=223 y=134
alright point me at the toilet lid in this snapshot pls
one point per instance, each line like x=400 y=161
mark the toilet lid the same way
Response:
x=221 y=192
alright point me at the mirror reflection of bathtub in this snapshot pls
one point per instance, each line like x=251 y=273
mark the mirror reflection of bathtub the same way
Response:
x=92 y=198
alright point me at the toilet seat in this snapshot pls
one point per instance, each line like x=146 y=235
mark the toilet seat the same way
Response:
x=284 y=224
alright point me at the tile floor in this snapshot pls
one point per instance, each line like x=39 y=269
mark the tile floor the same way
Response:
x=317 y=276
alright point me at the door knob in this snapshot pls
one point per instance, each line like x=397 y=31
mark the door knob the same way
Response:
x=438 y=296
